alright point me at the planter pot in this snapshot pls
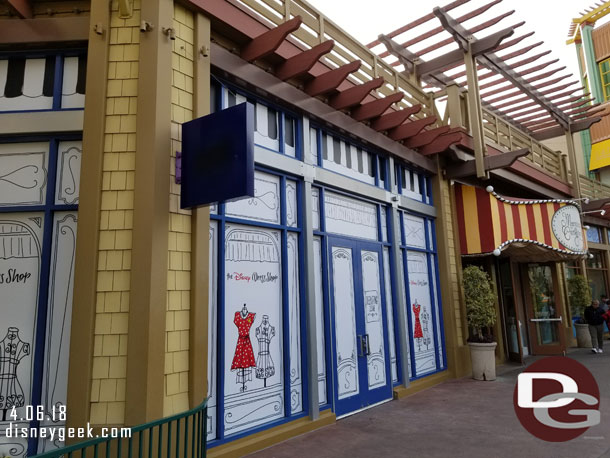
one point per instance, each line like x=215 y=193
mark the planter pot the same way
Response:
x=483 y=358
x=583 y=338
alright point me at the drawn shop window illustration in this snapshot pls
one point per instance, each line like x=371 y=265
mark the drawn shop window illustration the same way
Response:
x=423 y=297
x=274 y=129
x=39 y=185
x=45 y=81
x=256 y=350
x=334 y=153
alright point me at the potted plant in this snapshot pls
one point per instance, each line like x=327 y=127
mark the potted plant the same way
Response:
x=481 y=315
x=579 y=294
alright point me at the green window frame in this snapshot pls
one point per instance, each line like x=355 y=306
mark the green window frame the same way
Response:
x=604 y=72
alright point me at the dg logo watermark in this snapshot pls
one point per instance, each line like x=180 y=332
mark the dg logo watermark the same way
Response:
x=557 y=399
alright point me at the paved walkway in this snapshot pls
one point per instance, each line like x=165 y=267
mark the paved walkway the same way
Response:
x=458 y=418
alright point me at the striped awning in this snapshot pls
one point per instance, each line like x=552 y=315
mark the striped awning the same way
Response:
x=540 y=230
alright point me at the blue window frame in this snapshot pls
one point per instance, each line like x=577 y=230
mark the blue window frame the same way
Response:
x=275 y=128
x=420 y=269
x=47 y=168
x=412 y=184
x=43 y=81
x=594 y=234
x=288 y=225
x=338 y=154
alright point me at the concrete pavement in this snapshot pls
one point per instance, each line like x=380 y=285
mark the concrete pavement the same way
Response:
x=458 y=418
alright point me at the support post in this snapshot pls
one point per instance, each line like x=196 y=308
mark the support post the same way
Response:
x=404 y=352
x=475 y=113
x=311 y=337
x=573 y=164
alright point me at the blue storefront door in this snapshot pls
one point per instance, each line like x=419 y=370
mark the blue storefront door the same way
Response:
x=362 y=374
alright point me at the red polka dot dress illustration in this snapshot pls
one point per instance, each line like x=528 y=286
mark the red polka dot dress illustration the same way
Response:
x=417 y=333
x=243 y=359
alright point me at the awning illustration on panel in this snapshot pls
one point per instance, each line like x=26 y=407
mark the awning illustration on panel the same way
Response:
x=528 y=230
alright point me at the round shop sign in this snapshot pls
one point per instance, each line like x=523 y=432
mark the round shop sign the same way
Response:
x=567 y=228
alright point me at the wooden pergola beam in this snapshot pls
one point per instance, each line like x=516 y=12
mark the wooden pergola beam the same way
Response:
x=498 y=161
x=497 y=64
x=391 y=120
x=267 y=42
x=446 y=61
x=330 y=81
x=354 y=95
x=302 y=62
x=376 y=108
x=23 y=8
x=558 y=131
x=410 y=129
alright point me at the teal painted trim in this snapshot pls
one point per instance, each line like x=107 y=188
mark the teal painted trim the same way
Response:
x=585 y=136
x=595 y=81
x=585 y=140
x=191 y=443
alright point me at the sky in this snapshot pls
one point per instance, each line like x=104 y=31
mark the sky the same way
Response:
x=549 y=19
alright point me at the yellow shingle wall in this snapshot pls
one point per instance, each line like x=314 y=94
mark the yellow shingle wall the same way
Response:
x=116 y=221
x=453 y=260
x=179 y=269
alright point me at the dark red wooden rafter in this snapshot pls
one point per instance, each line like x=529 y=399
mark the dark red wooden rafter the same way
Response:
x=409 y=129
x=267 y=42
x=440 y=29
x=441 y=144
x=302 y=62
x=426 y=137
x=375 y=108
x=23 y=8
x=420 y=21
x=354 y=95
x=517 y=91
x=329 y=81
x=510 y=85
x=505 y=44
x=390 y=120
x=475 y=29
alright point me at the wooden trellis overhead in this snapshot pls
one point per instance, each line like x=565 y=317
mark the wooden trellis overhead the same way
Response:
x=589 y=16
x=361 y=100
x=528 y=92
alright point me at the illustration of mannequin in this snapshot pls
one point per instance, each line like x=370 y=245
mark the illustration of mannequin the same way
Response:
x=417 y=334
x=12 y=351
x=425 y=319
x=264 y=364
x=243 y=359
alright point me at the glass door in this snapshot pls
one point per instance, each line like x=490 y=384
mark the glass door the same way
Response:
x=510 y=311
x=362 y=363
x=544 y=314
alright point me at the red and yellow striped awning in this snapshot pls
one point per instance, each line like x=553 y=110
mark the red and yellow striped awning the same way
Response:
x=489 y=223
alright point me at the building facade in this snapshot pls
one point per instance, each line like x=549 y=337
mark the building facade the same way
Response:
x=334 y=288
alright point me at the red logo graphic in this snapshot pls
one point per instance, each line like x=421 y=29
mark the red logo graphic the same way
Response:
x=557 y=399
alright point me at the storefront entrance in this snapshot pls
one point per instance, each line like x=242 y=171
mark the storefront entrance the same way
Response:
x=544 y=308
x=362 y=364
